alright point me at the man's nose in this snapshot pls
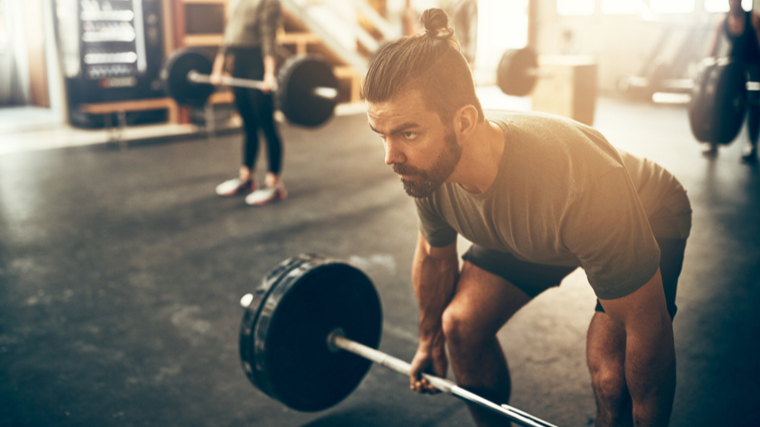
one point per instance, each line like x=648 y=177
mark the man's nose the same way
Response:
x=392 y=154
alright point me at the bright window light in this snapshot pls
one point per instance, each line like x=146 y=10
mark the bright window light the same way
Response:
x=672 y=6
x=575 y=7
x=621 y=7
x=719 y=6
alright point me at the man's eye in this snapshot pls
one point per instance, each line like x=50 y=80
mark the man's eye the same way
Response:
x=410 y=135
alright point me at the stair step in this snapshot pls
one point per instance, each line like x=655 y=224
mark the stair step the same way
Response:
x=295 y=38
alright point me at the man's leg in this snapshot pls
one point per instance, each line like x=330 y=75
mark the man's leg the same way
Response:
x=605 y=345
x=605 y=355
x=482 y=304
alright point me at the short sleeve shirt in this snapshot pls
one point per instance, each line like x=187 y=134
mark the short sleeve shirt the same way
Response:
x=564 y=196
x=252 y=23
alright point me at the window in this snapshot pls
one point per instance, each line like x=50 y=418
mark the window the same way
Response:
x=672 y=6
x=719 y=6
x=576 y=7
x=621 y=7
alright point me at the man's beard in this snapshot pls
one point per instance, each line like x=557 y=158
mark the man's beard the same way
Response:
x=429 y=180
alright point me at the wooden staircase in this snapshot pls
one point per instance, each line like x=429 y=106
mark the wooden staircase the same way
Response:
x=294 y=38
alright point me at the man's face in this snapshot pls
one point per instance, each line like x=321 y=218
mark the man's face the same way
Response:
x=418 y=146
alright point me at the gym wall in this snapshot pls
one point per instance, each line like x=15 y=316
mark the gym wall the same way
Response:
x=627 y=44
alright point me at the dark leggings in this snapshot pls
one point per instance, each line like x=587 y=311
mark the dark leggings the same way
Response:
x=257 y=110
x=753 y=104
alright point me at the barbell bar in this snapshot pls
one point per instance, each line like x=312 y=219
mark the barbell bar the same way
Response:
x=305 y=325
x=198 y=78
x=336 y=339
x=306 y=91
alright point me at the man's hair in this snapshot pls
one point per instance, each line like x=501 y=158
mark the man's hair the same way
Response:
x=431 y=62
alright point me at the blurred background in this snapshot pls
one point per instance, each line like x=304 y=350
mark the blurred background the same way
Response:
x=59 y=57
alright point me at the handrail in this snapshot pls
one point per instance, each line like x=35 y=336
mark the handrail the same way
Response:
x=301 y=12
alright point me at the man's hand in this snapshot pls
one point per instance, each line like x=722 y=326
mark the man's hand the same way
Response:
x=430 y=359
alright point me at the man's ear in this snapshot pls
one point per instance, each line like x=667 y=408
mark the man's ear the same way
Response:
x=465 y=120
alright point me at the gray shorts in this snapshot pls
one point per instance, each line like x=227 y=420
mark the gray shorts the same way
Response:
x=534 y=278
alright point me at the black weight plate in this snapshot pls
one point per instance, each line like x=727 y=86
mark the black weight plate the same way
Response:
x=512 y=74
x=253 y=309
x=718 y=102
x=176 y=84
x=283 y=343
x=297 y=80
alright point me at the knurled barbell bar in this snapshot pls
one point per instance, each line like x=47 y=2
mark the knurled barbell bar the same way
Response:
x=306 y=91
x=304 y=326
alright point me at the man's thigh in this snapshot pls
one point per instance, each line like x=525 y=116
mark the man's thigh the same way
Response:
x=483 y=302
x=494 y=285
x=529 y=277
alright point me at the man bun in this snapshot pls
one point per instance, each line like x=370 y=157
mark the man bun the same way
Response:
x=436 y=23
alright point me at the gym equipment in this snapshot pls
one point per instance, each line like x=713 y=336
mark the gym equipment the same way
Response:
x=306 y=90
x=304 y=326
x=718 y=101
x=516 y=74
x=518 y=71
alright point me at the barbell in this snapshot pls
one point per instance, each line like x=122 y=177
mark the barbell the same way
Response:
x=306 y=91
x=719 y=100
x=304 y=327
x=518 y=71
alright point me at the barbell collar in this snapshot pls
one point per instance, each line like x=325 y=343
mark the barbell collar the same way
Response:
x=198 y=78
x=336 y=340
x=246 y=300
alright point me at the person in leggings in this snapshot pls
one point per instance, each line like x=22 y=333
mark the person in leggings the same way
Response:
x=741 y=30
x=248 y=50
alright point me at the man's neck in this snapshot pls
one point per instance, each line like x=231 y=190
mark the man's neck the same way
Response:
x=481 y=157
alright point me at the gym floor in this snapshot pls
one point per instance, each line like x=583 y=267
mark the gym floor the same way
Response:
x=121 y=272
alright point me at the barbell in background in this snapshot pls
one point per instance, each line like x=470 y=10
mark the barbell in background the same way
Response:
x=304 y=327
x=306 y=91
x=518 y=72
x=719 y=100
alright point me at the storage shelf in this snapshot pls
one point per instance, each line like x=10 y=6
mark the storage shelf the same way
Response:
x=108 y=15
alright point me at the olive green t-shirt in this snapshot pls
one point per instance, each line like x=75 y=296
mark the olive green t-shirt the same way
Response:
x=564 y=196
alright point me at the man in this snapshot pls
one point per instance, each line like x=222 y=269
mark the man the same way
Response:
x=538 y=196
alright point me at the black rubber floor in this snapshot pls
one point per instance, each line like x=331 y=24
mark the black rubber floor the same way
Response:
x=121 y=271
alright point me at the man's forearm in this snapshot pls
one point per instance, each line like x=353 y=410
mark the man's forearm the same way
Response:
x=434 y=280
x=650 y=372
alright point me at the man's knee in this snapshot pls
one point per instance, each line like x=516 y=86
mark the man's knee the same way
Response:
x=459 y=329
x=608 y=380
